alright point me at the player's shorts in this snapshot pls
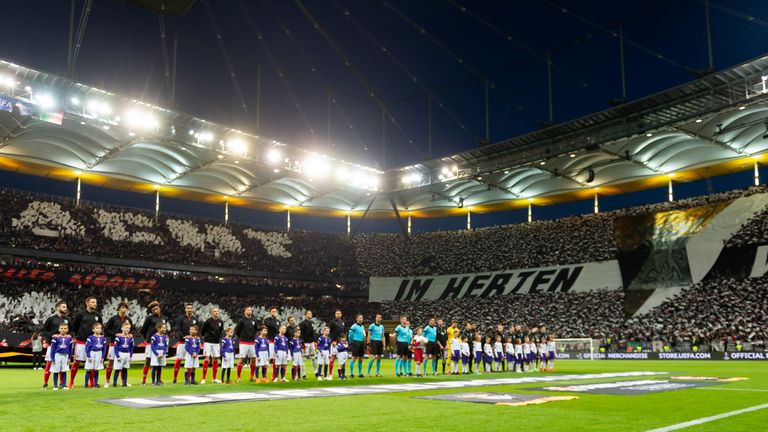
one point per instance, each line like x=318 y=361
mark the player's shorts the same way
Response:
x=478 y=356
x=111 y=351
x=48 y=354
x=297 y=359
x=456 y=355
x=309 y=350
x=191 y=361
x=281 y=358
x=433 y=349
x=519 y=358
x=147 y=351
x=510 y=357
x=341 y=358
x=487 y=358
x=551 y=356
x=181 y=352
x=247 y=350
x=211 y=349
x=323 y=357
x=263 y=358
x=60 y=363
x=157 y=361
x=402 y=349
x=271 y=350
x=80 y=351
x=498 y=358
x=334 y=351
x=95 y=361
x=377 y=348
x=357 y=349
x=122 y=361
x=228 y=360
x=418 y=355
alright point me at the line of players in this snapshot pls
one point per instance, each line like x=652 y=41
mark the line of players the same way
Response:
x=97 y=346
x=518 y=349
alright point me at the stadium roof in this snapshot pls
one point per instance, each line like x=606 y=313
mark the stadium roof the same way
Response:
x=55 y=127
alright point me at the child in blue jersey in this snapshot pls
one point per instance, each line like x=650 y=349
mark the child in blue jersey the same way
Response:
x=96 y=347
x=498 y=353
x=464 y=354
x=191 y=354
x=158 y=348
x=227 y=355
x=123 y=351
x=455 y=355
x=262 y=354
x=342 y=354
x=295 y=346
x=477 y=350
x=487 y=354
x=323 y=354
x=281 y=354
x=62 y=350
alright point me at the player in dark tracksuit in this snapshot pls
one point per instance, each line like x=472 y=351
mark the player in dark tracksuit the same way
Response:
x=148 y=329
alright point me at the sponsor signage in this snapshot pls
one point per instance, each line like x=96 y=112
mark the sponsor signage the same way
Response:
x=628 y=388
x=741 y=355
x=509 y=399
x=593 y=276
x=197 y=399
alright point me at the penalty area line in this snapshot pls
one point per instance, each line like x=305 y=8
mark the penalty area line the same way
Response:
x=709 y=419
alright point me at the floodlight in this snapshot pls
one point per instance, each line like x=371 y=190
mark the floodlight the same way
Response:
x=237 y=145
x=45 y=100
x=274 y=156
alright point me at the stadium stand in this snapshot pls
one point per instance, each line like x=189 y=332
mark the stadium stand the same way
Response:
x=721 y=310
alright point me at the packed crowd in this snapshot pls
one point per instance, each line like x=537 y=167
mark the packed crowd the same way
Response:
x=713 y=312
x=47 y=223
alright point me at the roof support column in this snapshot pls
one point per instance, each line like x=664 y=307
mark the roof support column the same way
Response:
x=77 y=196
x=670 y=191
x=157 y=203
x=597 y=205
x=226 y=212
x=757 y=174
x=349 y=223
x=288 y=221
x=530 y=213
x=410 y=229
x=469 y=220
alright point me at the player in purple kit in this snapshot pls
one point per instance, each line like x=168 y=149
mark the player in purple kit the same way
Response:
x=342 y=354
x=113 y=326
x=95 y=352
x=191 y=353
x=227 y=355
x=262 y=354
x=149 y=328
x=159 y=353
x=81 y=327
x=61 y=353
x=123 y=346
x=181 y=327
x=281 y=354
x=50 y=328
x=295 y=346
x=323 y=354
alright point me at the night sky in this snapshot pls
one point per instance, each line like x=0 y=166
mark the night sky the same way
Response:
x=369 y=54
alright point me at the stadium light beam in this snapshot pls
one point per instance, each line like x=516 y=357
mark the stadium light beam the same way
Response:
x=45 y=100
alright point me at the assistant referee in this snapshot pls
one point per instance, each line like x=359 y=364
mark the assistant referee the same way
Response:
x=357 y=346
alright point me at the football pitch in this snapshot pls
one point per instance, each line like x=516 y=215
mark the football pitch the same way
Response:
x=727 y=406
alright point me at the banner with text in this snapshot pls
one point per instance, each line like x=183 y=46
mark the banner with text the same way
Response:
x=592 y=276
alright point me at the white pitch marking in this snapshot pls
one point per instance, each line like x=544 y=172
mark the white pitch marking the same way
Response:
x=733 y=389
x=709 y=419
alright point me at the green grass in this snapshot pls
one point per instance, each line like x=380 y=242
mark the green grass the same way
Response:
x=24 y=407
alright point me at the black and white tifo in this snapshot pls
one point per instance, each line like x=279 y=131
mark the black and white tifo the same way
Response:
x=281 y=394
